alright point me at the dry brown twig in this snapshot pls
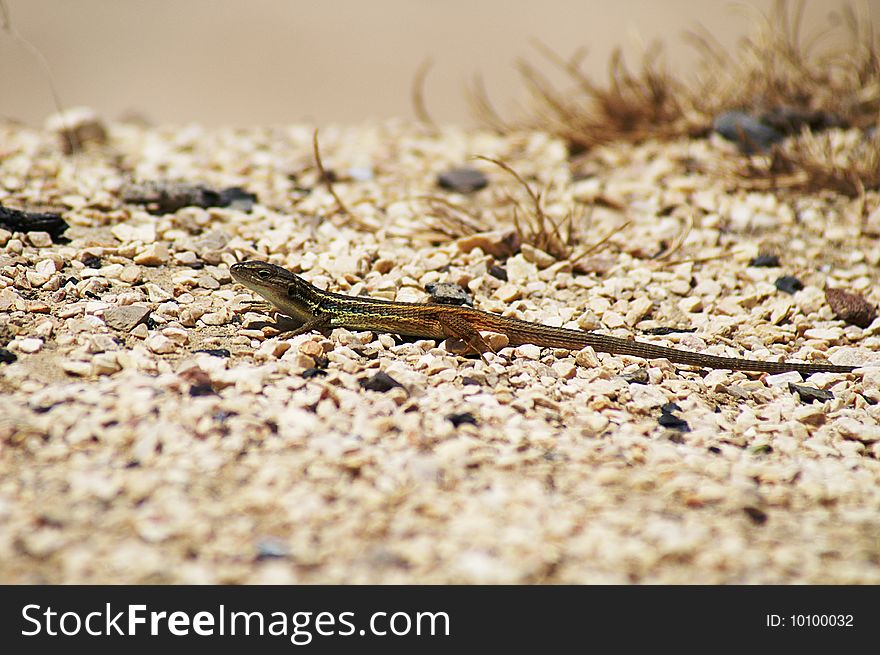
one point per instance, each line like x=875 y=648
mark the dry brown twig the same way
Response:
x=328 y=183
x=7 y=26
x=453 y=221
x=418 y=95
x=483 y=108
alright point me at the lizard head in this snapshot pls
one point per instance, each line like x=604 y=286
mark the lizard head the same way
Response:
x=291 y=294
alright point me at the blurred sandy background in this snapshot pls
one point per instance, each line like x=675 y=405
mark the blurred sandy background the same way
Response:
x=270 y=61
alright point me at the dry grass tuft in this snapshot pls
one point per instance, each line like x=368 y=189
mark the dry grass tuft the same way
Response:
x=789 y=81
x=533 y=225
x=777 y=67
x=845 y=161
x=630 y=107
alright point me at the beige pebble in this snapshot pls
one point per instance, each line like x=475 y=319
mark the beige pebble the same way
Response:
x=46 y=267
x=155 y=254
x=312 y=349
x=520 y=270
x=528 y=351
x=812 y=414
x=499 y=243
x=106 y=363
x=824 y=334
x=565 y=369
x=186 y=258
x=130 y=274
x=156 y=293
x=537 y=256
x=39 y=239
x=274 y=348
x=127 y=233
x=782 y=379
x=160 y=344
x=44 y=329
x=189 y=315
x=383 y=266
x=36 y=279
x=208 y=282
x=850 y=428
x=587 y=357
x=613 y=320
x=81 y=369
x=177 y=335
x=691 y=304
x=140 y=331
x=496 y=340
x=126 y=317
x=220 y=317
x=678 y=287
x=508 y=292
x=638 y=309
x=29 y=345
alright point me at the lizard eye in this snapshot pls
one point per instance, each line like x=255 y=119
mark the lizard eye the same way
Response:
x=263 y=274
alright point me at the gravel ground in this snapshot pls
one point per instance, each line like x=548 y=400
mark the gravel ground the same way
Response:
x=128 y=456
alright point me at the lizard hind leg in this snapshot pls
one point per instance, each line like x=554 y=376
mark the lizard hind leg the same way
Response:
x=459 y=328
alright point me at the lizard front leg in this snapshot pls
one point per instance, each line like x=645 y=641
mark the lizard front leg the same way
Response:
x=318 y=323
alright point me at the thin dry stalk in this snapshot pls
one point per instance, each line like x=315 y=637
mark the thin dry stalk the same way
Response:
x=6 y=25
x=328 y=183
x=418 y=95
x=451 y=221
x=483 y=109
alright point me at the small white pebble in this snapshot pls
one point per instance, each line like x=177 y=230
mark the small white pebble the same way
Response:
x=783 y=378
x=36 y=279
x=825 y=334
x=528 y=351
x=160 y=344
x=155 y=254
x=177 y=335
x=220 y=317
x=29 y=345
x=40 y=239
x=81 y=369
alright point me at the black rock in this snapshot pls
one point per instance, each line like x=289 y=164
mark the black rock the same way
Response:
x=749 y=133
x=809 y=394
x=216 y=352
x=788 y=284
x=758 y=516
x=313 y=372
x=765 y=261
x=498 y=272
x=462 y=180
x=669 y=420
x=380 y=382
x=16 y=220
x=660 y=331
x=639 y=376
x=462 y=417
x=166 y=197
x=447 y=293
x=201 y=390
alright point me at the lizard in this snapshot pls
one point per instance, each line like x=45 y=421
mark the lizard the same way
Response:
x=320 y=310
